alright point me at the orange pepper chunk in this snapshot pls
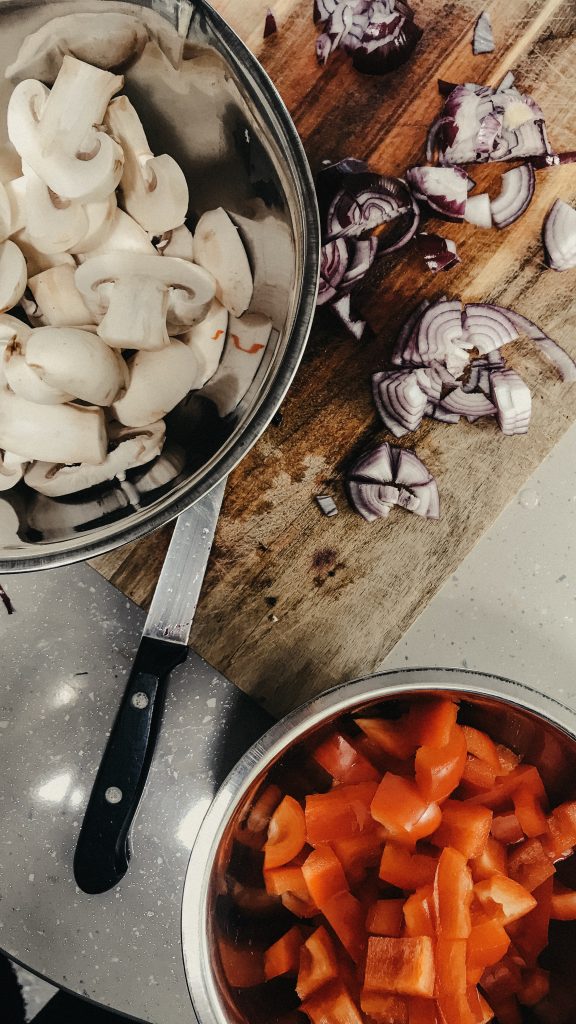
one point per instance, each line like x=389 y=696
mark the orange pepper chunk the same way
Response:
x=286 y=834
x=563 y=904
x=299 y=907
x=439 y=769
x=385 y=917
x=563 y=825
x=509 y=760
x=339 y=814
x=420 y=914
x=324 y=875
x=466 y=829
x=384 y=1009
x=529 y=864
x=346 y=916
x=488 y=942
x=501 y=793
x=332 y=1003
x=283 y=957
x=504 y=899
x=453 y=889
x=450 y=990
x=340 y=758
x=358 y=853
x=402 y=966
x=243 y=967
x=406 y=870
x=529 y=812
x=431 y=720
x=507 y=829
x=288 y=878
x=318 y=963
x=478 y=774
x=405 y=814
x=481 y=1012
x=389 y=735
x=530 y=933
x=421 y=1011
x=492 y=861
x=480 y=745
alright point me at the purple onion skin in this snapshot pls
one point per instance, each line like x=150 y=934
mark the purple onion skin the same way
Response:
x=388 y=57
x=270 y=26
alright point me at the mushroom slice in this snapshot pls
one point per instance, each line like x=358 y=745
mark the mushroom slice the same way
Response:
x=101 y=218
x=105 y=40
x=23 y=380
x=58 y=301
x=12 y=275
x=158 y=381
x=122 y=234
x=37 y=261
x=207 y=339
x=53 y=224
x=133 y=449
x=52 y=433
x=78 y=362
x=133 y=291
x=220 y=250
x=54 y=133
x=245 y=345
x=179 y=242
x=154 y=188
x=11 y=470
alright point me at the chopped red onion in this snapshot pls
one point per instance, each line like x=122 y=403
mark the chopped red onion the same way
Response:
x=472 y=404
x=487 y=328
x=443 y=189
x=389 y=476
x=440 y=337
x=549 y=348
x=344 y=313
x=437 y=412
x=513 y=401
x=560 y=236
x=324 y=9
x=373 y=204
x=333 y=265
x=479 y=210
x=270 y=26
x=438 y=253
x=399 y=400
x=515 y=196
x=389 y=38
x=361 y=255
x=483 y=39
x=553 y=159
x=406 y=332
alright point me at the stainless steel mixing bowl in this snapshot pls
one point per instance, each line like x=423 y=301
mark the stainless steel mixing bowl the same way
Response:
x=204 y=99
x=537 y=726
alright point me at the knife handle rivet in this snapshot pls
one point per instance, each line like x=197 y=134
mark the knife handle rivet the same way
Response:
x=113 y=795
x=140 y=701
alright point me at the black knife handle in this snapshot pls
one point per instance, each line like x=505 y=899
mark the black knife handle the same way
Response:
x=102 y=850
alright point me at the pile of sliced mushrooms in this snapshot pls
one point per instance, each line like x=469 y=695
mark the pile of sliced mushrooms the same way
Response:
x=127 y=311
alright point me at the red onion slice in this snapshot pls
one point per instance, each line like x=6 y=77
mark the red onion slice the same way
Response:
x=324 y=9
x=406 y=332
x=487 y=327
x=549 y=348
x=399 y=400
x=559 y=234
x=335 y=28
x=389 y=476
x=443 y=189
x=513 y=401
x=368 y=204
x=438 y=253
x=361 y=255
x=479 y=210
x=343 y=311
x=270 y=26
x=334 y=259
x=389 y=39
x=440 y=337
x=518 y=187
x=483 y=39
x=437 y=412
x=471 y=404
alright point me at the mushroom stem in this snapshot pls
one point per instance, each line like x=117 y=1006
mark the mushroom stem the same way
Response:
x=59 y=302
x=53 y=224
x=52 y=433
x=136 y=316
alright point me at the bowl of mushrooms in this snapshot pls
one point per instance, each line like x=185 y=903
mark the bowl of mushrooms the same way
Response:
x=158 y=268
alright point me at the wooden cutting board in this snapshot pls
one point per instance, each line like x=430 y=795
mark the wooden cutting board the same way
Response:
x=294 y=601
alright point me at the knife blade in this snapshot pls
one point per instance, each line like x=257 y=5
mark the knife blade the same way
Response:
x=102 y=851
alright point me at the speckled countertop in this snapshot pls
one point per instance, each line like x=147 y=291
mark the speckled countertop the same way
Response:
x=508 y=610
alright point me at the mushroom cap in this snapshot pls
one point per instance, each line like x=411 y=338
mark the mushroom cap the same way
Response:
x=218 y=248
x=52 y=433
x=25 y=382
x=246 y=343
x=123 y=235
x=13 y=275
x=177 y=242
x=78 y=362
x=158 y=381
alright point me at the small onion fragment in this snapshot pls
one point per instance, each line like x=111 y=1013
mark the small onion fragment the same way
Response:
x=333 y=265
x=483 y=39
x=472 y=404
x=518 y=187
x=479 y=210
x=487 y=328
x=389 y=476
x=342 y=309
x=560 y=236
x=399 y=399
x=270 y=26
x=379 y=34
x=443 y=189
x=513 y=401
x=438 y=253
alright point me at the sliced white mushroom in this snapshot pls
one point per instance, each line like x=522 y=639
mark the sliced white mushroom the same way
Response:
x=207 y=339
x=132 y=293
x=58 y=301
x=154 y=188
x=12 y=275
x=245 y=346
x=37 y=261
x=106 y=40
x=133 y=448
x=53 y=131
x=11 y=470
x=77 y=362
x=179 y=242
x=101 y=220
x=54 y=224
x=24 y=381
x=166 y=468
x=220 y=250
x=158 y=381
x=52 y=433
x=122 y=234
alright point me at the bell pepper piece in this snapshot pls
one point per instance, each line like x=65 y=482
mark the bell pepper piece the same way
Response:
x=500 y=795
x=405 y=814
x=283 y=957
x=563 y=904
x=453 y=889
x=286 y=834
x=481 y=1012
x=420 y=913
x=492 y=861
x=478 y=774
x=430 y=721
x=564 y=816
x=529 y=812
x=384 y=1009
x=439 y=769
x=385 y=917
x=507 y=829
x=535 y=987
x=465 y=828
x=346 y=916
x=339 y=814
x=243 y=967
x=391 y=736
x=479 y=745
x=288 y=878
x=358 y=853
x=504 y=899
x=509 y=760
x=406 y=870
x=530 y=933
x=451 y=982
x=421 y=1011
x=529 y=864
x=297 y=906
x=318 y=963
x=402 y=966
x=488 y=942
x=332 y=1004
x=340 y=758
x=324 y=875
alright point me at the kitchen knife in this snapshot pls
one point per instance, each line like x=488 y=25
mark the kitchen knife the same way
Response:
x=103 y=852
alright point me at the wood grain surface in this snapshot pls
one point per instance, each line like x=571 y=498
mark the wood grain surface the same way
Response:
x=294 y=601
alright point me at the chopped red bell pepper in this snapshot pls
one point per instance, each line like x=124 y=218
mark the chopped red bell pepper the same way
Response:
x=478 y=774
x=286 y=834
x=529 y=864
x=283 y=957
x=318 y=963
x=420 y=913
x=385 y=917
x=502 y=980
x=507 y=829
x=488 y=942
x=340 y=758
x=332 y=1004
x=500 y=795
x=339 y=814
x=298 y=906
x=252 y=829
x=430 y=721
x=480 y=745
x=530 y=933
x=453 y=889
x=481 y=1012
x=421 y=1011
x=529 y=812
x=288 y=878
x=384 y=1009
x=358 y=853
x=439 y=769
x=243 y=967
x=563 y=904
x=535 y=987
x=492 y=861
x=509 y=760
x=390 y=736
x=451 y=982
x=402 y=966
x=504 y=899
x=324 y=875
x=346 y=915
x=465 y=828
x=405 y=814
x=406 y=870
